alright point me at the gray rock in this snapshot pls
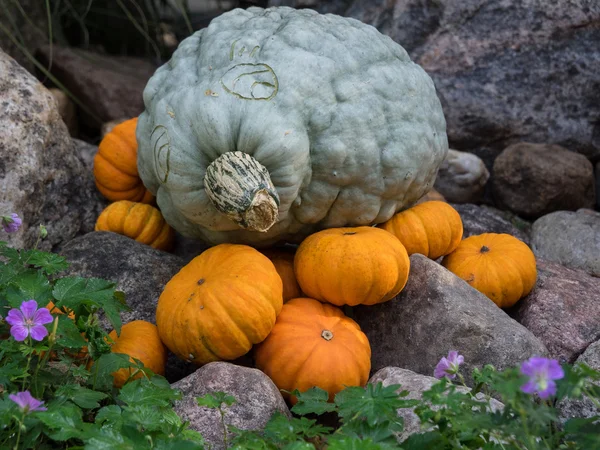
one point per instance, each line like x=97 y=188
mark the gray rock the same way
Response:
x=138 y=270
x=66 y=109
x=110 y=87
x=416 y=384
x=598 y=185
x=85 y=152
x=569 y=238
x=257 y=399
x=563 y=310
x=41 y=177
x=483 y=219
x=462 y=177
x=187 y=248
x=438 y=312
x=583 y=407
x=536 y=179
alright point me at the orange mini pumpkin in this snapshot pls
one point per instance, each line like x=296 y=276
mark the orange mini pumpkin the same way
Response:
x=314 y=344
x=283 y=260
x=220 y=304
x=352 y=266
x=431 y=228
x=115 y=165
x=498 y=265
x=139 y=221
x=138 y=339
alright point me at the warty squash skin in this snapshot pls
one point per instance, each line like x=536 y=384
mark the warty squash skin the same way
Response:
x=352 y=266
x=499 y=266
x=115 y=165
x=139 y=221
x=431 y=228
x=138 y=339
x=314 y=344
x=283 y=260
x=220 y=304
x=338 y=126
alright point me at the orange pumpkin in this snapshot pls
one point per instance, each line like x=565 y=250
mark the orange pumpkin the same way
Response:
x=139 y=221
x=138 y=339
x=498 y=265
x=115 y=165
x=283 y=260
x=431 y=228
x=314 y=344
x=220 y=304
x=352 y=266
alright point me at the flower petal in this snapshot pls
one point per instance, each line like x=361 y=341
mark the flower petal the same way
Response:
x=440 y=369
x=38 y=332
x=555 y=371
x=15 y=317
x=19 y=332
x=530 y=387
x=549 y=391
x=28 y=309
x=42 y=316
x=18 y=399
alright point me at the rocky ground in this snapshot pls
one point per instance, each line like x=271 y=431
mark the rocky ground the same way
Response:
x=522 y=101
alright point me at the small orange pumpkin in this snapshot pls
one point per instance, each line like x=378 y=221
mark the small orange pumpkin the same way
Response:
x=139 y=221
x=498 y=265
x=138 y=339
x=115 y=165
x=283 y=260
x=431 y=228
x=219 y=304
x=352 y=266
x=314 y=344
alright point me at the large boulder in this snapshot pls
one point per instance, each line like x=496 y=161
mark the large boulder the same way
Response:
x=42 y=177
x=415 y=384
x=563 y=310
x=505 y=71
x=536 y=179
x=569 y=238
x=438 y=312
x=483 y=219
x=462 y=177
x=257 y=399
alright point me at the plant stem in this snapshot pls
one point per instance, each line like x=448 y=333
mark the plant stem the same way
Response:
x=20 y=425
x=26 y=374
x=222 y=413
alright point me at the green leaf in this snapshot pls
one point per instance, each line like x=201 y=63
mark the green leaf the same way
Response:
x=27 y=286
x=110 y=415
x=353 y=443
x=65 y=422
x=151 y=392
x=282 y=429
x=67 y=333
x=81 y=396
x=214 y=400
x=104 y=367
x=50 y=263
x=147 y=417
x=313 y=401
x=110 y=439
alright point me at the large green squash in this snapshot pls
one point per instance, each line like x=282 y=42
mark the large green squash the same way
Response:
x=272 y=123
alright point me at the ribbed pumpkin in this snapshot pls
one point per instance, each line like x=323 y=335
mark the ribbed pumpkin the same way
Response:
x=498 y=265
x=139 y=221
x=431 y=228
x=314 y=344
x=138 y=339
x=283 y=260
x=220 y=304
x=115 y=165
x=352 y=266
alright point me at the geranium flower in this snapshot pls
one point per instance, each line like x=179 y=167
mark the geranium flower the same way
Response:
x=28 y=320
x=448 y=367
x=541 y=372
x=11 y=223
x=26 y=402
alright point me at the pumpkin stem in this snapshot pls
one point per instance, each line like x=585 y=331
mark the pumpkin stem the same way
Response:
x=484 y=249
x=327 y=335
x=241 y=188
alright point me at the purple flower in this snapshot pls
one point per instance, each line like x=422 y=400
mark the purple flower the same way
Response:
x=541 y=372
x=11 y=223
x=448 y=367
x=26 y=402
x=28 y=321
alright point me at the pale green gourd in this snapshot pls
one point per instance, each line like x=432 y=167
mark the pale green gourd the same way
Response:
x=272 y=123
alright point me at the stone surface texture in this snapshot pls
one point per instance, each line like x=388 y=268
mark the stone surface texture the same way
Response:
x=66 y=109
x=257 y=399
x=569 y=238
x=483 y=219
x=462 y=177
x=438 y=312
x=537 y=179
x=42 y=178
x=563 y=310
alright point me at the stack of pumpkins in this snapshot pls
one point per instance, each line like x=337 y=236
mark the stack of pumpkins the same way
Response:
x=232 y=298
